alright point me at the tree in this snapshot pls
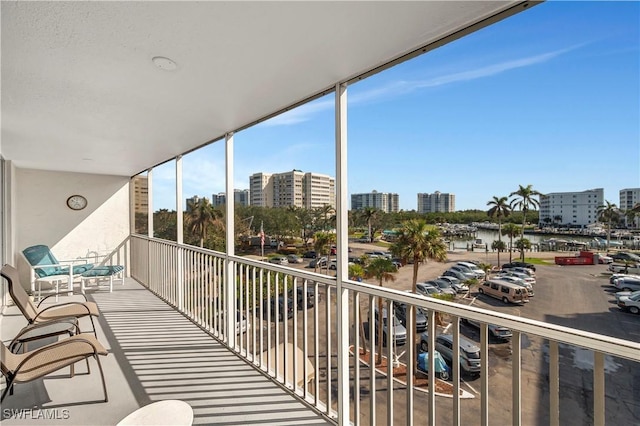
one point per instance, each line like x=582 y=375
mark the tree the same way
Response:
x=368 y=214
x=523 y=244
x=499 y=209
x=381 y=269
x=632 y=213
x=524 y=201
x=511 y=230
x=201 y=216
x=607 y=213
x=418 y=242
x=322 y=242
x=499 y=246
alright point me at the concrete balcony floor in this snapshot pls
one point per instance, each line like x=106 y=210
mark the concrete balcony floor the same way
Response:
x=155 y=353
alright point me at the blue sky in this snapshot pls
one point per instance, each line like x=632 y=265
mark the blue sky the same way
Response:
x=550 y=97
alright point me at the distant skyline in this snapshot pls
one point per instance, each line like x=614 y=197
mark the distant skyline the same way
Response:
x=549 y=97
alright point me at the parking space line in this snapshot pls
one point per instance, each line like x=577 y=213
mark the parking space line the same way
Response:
x=470 y=387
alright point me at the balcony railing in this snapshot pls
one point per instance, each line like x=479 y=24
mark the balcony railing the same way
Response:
x=290 y=335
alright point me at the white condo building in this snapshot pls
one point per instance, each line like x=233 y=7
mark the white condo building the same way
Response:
x=436 y=202
x=385 y=201
x=294 y=188
x=575 y=209
x=629 y=198
x=240 y=197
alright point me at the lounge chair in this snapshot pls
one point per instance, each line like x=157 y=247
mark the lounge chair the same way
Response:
x=28 y=366
x=34 y=314
x=46 y=268
x=101 y=273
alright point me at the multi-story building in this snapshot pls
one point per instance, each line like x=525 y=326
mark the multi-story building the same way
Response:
x=140 y=194
x=629 y=198
x=294 y=188
x=240 y=197
x=573 y=209
x=193 y=201
x=436 y=202
x=385 y=201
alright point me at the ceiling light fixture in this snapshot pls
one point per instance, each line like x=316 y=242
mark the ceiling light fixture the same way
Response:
x=163 y=63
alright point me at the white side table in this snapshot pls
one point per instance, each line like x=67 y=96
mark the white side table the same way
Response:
x=168 y=412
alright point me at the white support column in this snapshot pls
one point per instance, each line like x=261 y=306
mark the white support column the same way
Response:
x=230 y=291
x=342 y=243
x=179 y=234
x=150 y=204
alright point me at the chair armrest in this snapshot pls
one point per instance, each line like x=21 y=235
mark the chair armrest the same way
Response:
x=63 y=304
x=62 y=293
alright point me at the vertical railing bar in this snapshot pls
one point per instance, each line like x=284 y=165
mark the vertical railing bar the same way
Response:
x=277 y=322
x=455 y=326
x=295 y=332
x=411 y=358
x=554 y=384
x=390 y=345
x=516 y=366
x=269 y=322
x=261 y=319
x=328 y=348
x=316 y=346
x=240 y=298
x=356 y=358
x=305 y=340
x=598 y=389
x=484 y=375
x=372 y=361
x=253 y=314
x=431 y=331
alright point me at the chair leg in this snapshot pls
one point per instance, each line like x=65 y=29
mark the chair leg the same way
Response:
x=8 y=389
x=111 y=283
x=104 y=384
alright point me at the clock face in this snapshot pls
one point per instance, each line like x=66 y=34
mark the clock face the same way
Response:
x=77 y=202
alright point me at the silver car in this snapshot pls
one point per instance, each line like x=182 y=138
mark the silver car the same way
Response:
x=399 y=331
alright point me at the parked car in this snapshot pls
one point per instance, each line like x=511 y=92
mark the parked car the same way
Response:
x=522 y=270
x=456 y=274
x=399 y=332
x=473 y=268
x=627 y=283
x=279 y=260
x=518 y=281
x=470 y=361
x=630 y=268
x=421 y=316
x=630 y=303
x=497 y=331
x=294 y=258
x=516 y=264
x=469 y=274
x=444 y=286
x=603 y=258
x=318 y=262
x=242 y=325
x=427 y=289
x=280 y=302
x=623 y=256
x=310 y=255
x=300 y=298
x=457 y=285
x=626 y=293
x=364 y=239
x=522 y=276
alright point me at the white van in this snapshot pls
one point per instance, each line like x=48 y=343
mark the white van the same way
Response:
x=505 y=291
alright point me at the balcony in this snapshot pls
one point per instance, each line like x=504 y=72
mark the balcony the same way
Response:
x=166 y=337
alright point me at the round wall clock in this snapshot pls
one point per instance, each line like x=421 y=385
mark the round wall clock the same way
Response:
x=76 y=202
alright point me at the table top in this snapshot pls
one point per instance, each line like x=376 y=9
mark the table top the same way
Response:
x=44 y=330
x=167 y=412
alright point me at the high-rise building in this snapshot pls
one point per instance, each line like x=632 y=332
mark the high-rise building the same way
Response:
x=385 y=201
x=436 y=202
x=629 y=198
x=574 y=209
x=193 y=201
x=140 y=194
x=240 y=197
x=219 y=199
x=294 y=188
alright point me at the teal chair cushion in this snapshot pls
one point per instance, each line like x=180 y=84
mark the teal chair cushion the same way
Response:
x=102 y=271
x=41 y=255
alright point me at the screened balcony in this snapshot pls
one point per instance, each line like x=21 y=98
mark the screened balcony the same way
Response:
x=214 y=328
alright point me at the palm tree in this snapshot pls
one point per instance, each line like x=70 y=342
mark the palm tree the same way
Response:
x=418 y=242
x=632 y=213
x=511 y=230
x=368 y=214
x=382 y=270
x=499 y=209
x=607 y=213
x=321 y=243
x=524 y=202
x=201 y=215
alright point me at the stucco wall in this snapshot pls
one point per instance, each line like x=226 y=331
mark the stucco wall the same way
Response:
x=42 y=216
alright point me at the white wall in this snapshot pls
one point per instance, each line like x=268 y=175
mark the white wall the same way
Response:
x=42 y=216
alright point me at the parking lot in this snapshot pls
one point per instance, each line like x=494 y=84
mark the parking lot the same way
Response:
x=578 y=296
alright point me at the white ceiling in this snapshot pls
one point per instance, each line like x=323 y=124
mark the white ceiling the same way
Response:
x=80 y=92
